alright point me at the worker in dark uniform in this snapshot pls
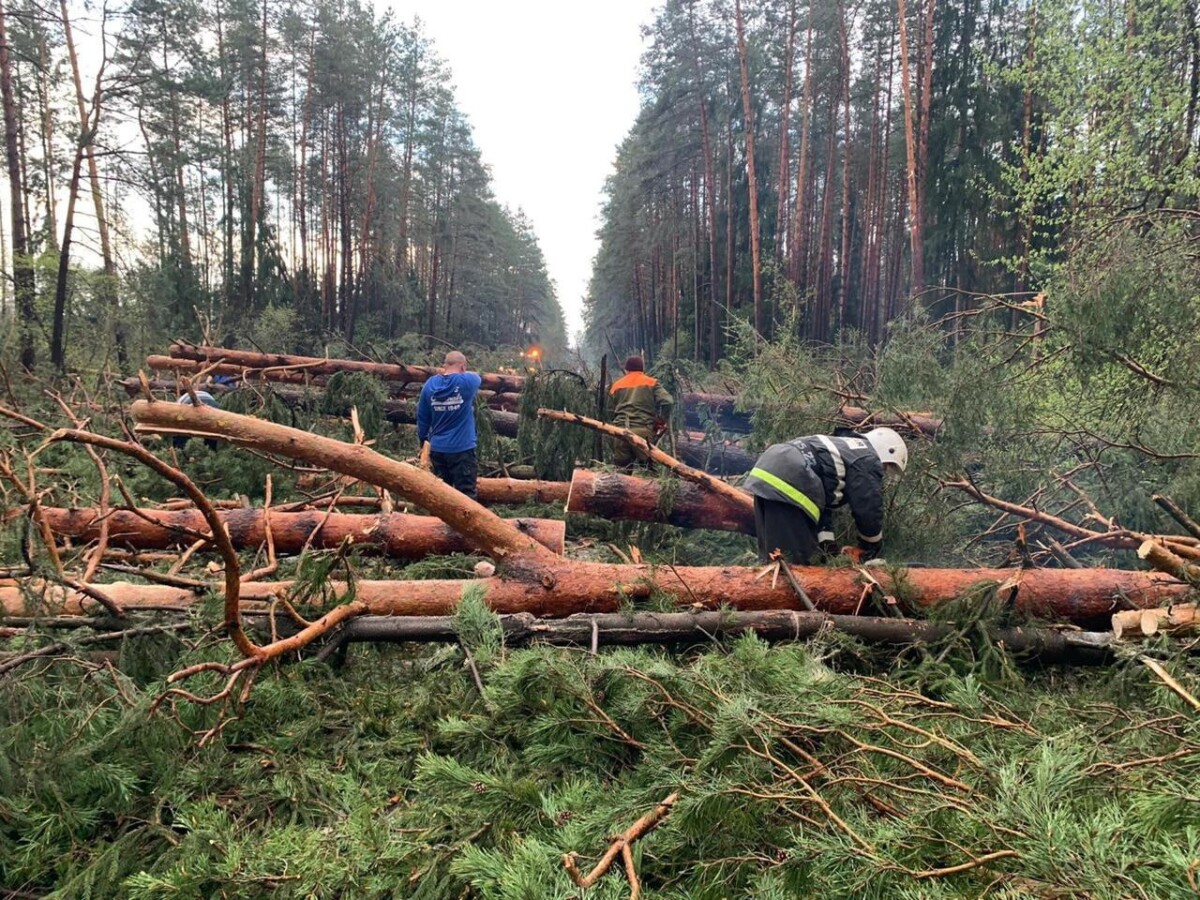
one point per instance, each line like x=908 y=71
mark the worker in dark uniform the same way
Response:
x=797 y=485
x=640 y=405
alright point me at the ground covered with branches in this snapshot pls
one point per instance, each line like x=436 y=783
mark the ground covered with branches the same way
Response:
x=799 y=769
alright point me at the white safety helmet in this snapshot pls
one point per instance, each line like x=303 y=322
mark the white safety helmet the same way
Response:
x=890 y=447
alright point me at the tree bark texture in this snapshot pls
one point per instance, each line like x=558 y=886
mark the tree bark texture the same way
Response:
x=396 y=535
x=1045 y=645
x=313 y=365
x=614 y=496
x=556 y=588
x=486 y=531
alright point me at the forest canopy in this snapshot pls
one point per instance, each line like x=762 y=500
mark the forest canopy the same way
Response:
x=294 y=173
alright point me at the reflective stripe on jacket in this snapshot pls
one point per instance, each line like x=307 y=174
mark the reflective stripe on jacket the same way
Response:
x=819 y=473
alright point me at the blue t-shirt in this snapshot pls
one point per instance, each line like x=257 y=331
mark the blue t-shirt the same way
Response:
x=446 y=412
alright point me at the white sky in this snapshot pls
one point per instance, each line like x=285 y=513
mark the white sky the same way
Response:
x=549 y=89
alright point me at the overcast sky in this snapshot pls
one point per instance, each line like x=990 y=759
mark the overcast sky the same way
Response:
x=549 y=88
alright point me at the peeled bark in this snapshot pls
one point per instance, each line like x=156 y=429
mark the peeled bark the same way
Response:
x=314 y=365
x=615 y=496
x=396 y=535
x=560 y=587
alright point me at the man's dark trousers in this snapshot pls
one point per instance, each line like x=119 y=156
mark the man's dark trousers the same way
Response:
x=784 y=527
x=459 y=470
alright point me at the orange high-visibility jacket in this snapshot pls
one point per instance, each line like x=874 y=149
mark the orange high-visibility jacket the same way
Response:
x=638 y=399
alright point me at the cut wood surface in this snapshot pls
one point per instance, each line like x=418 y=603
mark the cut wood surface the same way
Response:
x=397 y=535
x=612 y=495
x=1137 y=623
x=556 y=587
x=315 y=365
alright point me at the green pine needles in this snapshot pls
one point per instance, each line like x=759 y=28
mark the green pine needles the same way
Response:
x=393 y=777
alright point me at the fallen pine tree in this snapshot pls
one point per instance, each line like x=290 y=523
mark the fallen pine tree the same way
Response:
x=612 y=495
x=292 y=395
x=396 y=535
x=628 y=629
x=556 y=589
x=191 y=358
x=315 y=365
x=534 y=579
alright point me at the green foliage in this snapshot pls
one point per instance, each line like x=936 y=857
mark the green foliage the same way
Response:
x=393 y=771
x=554 y=447
x=356 y=390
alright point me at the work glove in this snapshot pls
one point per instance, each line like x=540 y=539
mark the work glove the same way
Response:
x=660 y=427
x=829 y=548
x=424 y=461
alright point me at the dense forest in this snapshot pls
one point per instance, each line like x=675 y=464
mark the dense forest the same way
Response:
x=294 y=173
x=824 y=168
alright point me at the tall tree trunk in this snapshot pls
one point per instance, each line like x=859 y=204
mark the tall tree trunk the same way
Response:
x=922 y=163
x=57 y=340
x=229 y=201
x=866 y=298
x=23 y=283
x=1027 y=213
x=916 y=238
x=108 y=290
x=47 y=117
x=799 y=230
x=783 y=181
x=748 y=118
x=710 y=201
x=258 y=186
x=305 y=125
x=845 y=250
x=878 y=317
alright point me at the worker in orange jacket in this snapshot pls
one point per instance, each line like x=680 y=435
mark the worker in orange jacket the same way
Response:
x=640 y=405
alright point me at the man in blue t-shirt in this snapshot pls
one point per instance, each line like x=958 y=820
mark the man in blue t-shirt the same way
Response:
x=446 y=419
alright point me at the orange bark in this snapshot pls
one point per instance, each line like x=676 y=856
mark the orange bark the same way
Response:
x=315 y=365
x=615 y=496
x=562 y=587
x=396 y=535
x=483 y=529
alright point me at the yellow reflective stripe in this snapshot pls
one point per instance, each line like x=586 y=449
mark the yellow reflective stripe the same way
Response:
x=788 y=491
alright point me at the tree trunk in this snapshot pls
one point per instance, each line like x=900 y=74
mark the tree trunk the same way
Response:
x=395 y=535
x=627 y=629
x=799 y=229
x=315 y=365
x=485 y=530
x=916 y=238
x=844 y=251
x=648 y=451
x=58 y=351
x=614 y=496
x=23 y=282
x=748 y=118
x=562 y=587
